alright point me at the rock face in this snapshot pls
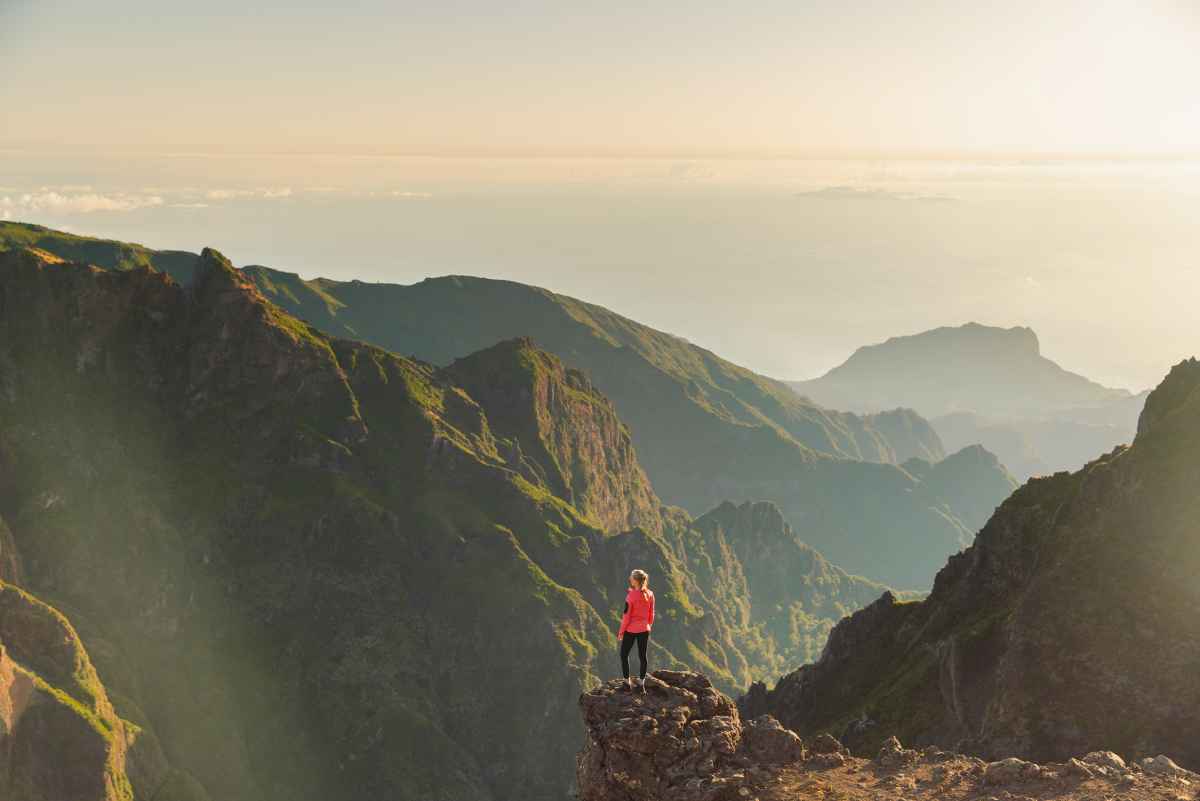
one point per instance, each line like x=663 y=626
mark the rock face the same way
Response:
x=705 y=430
x=1078 y=598
x=307 y=568
x=578 y=447
x=683 y=741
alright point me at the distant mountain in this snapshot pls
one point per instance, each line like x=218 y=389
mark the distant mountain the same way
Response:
x=706 y=430
x=1071 y=625
x=990 y=386
x=297 y=567
x=994 y=372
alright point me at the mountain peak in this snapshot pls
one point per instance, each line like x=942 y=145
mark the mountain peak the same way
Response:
x=970 y=337
x=1177 y=392
x=995 y=372
x=215 y=272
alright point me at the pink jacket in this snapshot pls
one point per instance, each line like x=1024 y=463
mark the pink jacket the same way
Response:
x=639 y=612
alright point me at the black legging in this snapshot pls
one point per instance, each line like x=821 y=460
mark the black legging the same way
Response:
x=642 y=639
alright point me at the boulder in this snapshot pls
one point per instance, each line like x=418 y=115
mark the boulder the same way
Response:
x=826 y=743
x=1106 y=759
x=893 y=754
x=1165 y=766
x=1010 y=771
x=769 y=742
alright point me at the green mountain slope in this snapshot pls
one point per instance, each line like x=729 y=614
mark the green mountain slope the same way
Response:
x=312 y=569
x=1071 y=625
x=706 y=430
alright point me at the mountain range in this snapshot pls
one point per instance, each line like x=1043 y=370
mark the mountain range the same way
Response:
x=244 y=559
x=980 y=384
x=871 y=492
x=1071 y=625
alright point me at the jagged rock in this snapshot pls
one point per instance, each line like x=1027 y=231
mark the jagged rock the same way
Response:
x=769 y=742
x=1076 y=767
x=893 y=753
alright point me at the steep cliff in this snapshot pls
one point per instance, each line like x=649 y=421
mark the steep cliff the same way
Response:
x=1072 y=624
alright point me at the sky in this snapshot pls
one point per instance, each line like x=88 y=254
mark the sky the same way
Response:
x=781 y=182
x=539 y=77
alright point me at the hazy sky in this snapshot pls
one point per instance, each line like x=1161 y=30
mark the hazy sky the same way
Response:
x=641 y=156
x=548 y=76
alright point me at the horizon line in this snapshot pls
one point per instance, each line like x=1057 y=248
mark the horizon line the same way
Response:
x=216 y=151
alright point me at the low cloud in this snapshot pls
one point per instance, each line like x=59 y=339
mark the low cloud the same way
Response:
x=845 y=192
x=261 y=192
x=67 y=202
x=26 y=203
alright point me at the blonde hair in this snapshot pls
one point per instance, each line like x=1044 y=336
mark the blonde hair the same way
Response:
x=641 y=577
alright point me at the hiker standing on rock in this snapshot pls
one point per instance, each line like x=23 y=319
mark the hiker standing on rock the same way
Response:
x=635 y=625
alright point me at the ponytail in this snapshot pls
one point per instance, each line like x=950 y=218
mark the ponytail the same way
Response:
x=642 y=579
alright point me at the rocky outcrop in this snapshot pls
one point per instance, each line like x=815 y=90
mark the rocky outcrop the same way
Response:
x=680 y=740
x=1078 y=598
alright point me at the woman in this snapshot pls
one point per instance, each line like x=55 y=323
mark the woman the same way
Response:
x=635 y=625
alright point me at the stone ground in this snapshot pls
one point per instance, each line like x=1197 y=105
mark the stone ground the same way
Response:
x=682 y=740
x=958 y=777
